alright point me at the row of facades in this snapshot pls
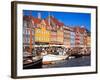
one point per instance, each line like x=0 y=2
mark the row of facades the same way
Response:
x=50 y=31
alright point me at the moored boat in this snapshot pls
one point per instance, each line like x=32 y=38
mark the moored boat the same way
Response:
x=51 y=59
x=32 y=64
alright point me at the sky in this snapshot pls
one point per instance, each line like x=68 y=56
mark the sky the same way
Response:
x=68 y=18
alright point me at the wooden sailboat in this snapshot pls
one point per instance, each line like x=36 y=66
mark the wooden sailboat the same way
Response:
x=31 y=62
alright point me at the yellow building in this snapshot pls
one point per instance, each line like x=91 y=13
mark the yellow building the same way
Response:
x=41 y=33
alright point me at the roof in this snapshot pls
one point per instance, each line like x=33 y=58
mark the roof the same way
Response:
x=80 y=29
x=47 y=24
x=56 y=21
x=36 y=20
x=27 y=18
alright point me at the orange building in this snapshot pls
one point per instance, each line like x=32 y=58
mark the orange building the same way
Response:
x=66 y=40
x=77 y=36
x=56 y=30
x=80 y=37
x=83 y=37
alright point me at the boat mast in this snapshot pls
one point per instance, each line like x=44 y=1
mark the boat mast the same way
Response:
x=30 y=33
x=49 y=25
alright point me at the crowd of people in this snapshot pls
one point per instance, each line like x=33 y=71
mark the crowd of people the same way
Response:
x=41 y=51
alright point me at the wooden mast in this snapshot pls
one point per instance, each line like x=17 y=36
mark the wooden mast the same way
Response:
x=49 y=27
x=30 y=33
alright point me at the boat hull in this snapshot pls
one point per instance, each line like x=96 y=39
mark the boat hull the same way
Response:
x=33 y=65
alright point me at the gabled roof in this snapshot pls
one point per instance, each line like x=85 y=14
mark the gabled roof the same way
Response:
x=79 y=29
x=46 y=22
x=56 y=21
x=36 y=20
x=28 y=18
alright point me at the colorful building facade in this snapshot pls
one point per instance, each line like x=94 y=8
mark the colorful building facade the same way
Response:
x=50 y=31
x=53 y=30
x=82 y=31
x=28 y=30
x=67 y=36
x=42 y=35
x=77 y=36
x=88 y=40
x=56 y=30
x=72 y=38
x=80 y=37
x=60 y=36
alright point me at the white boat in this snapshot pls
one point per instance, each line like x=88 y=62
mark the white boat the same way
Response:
x=50 y=58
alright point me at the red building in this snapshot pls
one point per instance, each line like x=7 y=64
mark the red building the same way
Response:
x=80 y=37
x=77 y=36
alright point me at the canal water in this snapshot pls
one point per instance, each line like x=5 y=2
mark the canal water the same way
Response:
x=72 y=62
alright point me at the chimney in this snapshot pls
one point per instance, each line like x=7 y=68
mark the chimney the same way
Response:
x=39 y=15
